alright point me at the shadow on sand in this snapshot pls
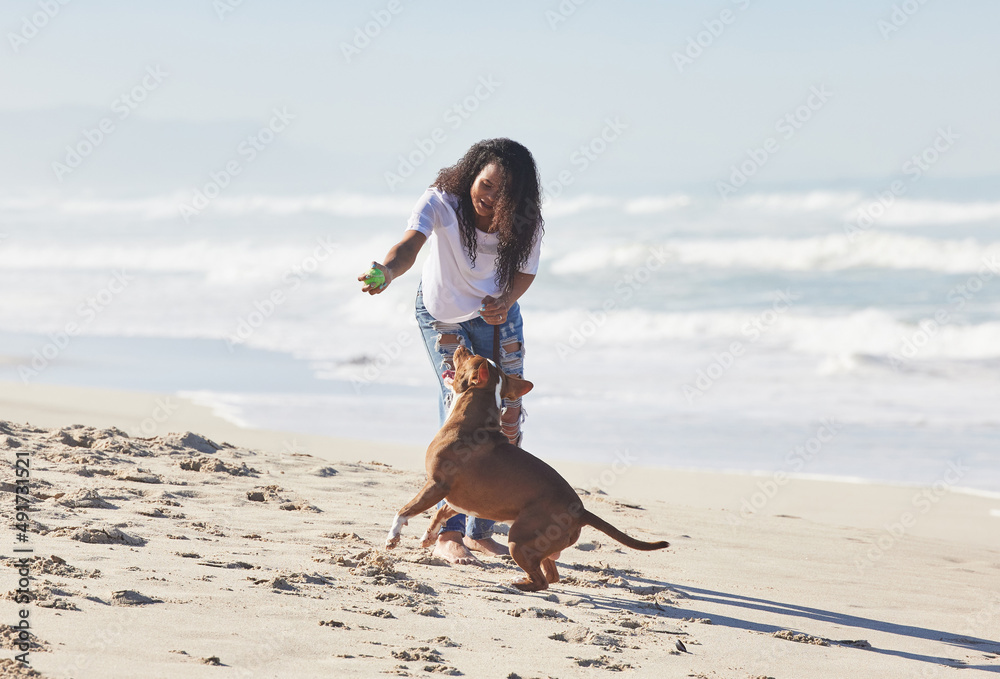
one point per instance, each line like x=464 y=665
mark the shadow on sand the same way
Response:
x=736 y=605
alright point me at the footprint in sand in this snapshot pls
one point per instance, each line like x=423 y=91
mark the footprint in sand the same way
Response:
x=583 y=635
x=15 y=670
x=421 y=605
x=299 y=505
x=11 y=641
x=215 y=465
x=48 y=596
x=336 y=624
x=426 y=654
x=274 y=494
x=130 y=597
x=161 y=513
x=605 y=662
x=106 y=536
x=84 y=499
x=377 y=613
x=189 y=440
x=354 y=537
x=536 y=612
x=444 y=641
x=138 y=475
x=416 y=586
x=55 y=565
x=800 y=638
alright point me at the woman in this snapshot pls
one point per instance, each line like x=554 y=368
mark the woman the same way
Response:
x=483 y=218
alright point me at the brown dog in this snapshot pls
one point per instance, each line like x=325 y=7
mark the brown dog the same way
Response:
x=471 y=464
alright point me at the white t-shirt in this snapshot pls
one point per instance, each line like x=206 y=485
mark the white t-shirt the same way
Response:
x=453 y=290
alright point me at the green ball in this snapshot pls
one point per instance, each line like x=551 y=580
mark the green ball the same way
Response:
x=375 y=278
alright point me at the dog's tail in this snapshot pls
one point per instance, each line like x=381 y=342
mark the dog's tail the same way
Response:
x=589 y=519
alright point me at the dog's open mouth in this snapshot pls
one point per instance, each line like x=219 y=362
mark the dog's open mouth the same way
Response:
x=448 y=376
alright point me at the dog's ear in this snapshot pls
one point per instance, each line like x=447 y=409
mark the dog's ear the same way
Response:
x=481 y=376
x=514 y=387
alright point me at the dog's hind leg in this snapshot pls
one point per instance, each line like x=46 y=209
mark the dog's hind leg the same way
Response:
x=443 y=513
x=429 y=495
x=549 y=569
x=529 y=560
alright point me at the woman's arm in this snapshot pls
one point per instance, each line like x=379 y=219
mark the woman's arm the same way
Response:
x=494 y=310
x=520 y=284
x=404 y=253
x=398 y=261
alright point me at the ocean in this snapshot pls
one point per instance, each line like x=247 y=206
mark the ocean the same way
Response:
x=824 y=333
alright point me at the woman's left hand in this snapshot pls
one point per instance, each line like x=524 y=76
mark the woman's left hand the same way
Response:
x=494 y=310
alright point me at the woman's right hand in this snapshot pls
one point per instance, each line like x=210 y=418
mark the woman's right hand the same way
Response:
x=375 y=289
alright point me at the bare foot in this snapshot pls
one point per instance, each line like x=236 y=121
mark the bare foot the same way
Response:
x=451 y=548
x=487 y=546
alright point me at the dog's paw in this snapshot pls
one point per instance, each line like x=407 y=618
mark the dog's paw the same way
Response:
x=391 y=542
x=427 y=540
x=528 y=585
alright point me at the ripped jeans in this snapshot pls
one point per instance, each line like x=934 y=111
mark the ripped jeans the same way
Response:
x=441 y=339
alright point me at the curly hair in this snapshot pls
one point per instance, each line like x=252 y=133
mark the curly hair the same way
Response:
x=517 y=215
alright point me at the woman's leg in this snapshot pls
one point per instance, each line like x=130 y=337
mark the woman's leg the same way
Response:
x=441 y=340
x=512 y=363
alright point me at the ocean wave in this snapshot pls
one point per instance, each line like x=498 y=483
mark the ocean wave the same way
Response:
x=849 y=205
x=832 y=252
x=562 y=207
x=42 y=206
x=844 y=338
x=337 y=204
x=655 y=204
x=340 y=204
x=256 y=259
x=918 y=212
x=220 y=261
x=835 y=206
x=804 y=202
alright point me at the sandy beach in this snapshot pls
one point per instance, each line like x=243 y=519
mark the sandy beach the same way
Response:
x=204 y=550
x=747 y=254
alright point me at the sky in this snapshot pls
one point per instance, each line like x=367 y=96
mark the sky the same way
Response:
x=630 y=98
